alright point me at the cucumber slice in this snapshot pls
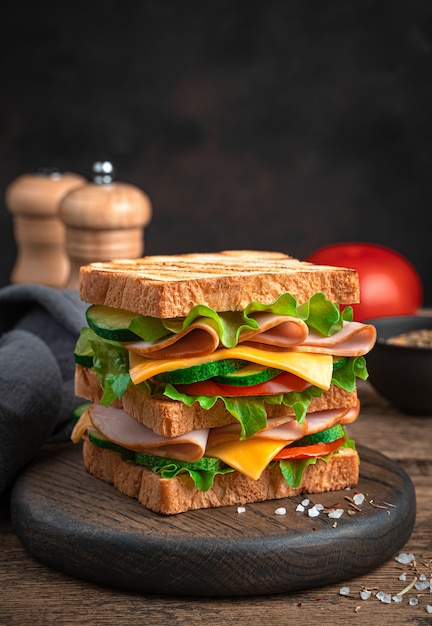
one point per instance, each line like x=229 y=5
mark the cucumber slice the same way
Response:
x=325 y=436
x=79 y=410
x=251 y=374
x=111 y=323
x=196 y=373
x=83 y=359
x=83 y=351
x=206 y=463
x=150 y=460
x=102 y=442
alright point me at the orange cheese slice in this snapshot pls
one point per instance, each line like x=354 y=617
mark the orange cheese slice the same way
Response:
x=249 y=457
x=316 y=369
x=83 y=424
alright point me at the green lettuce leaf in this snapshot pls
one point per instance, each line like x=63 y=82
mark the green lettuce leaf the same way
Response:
x=203 y=479
x=345 y=376
x=148 y=328
x=170 y=468
x=292 y=470
x=318 y=313
x=248 y=410
x=111 y=366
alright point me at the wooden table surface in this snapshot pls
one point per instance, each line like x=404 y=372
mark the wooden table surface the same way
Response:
x=32 y=593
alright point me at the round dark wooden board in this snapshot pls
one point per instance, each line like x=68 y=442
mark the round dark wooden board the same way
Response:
x=85 y=528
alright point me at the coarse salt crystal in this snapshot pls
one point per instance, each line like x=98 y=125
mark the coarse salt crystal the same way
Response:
x=241 y=509
x=336 y=514
x=421 y=585
x=403 y=577
x=429 y=608
x=358 y=499
x=405 y=558
x=344 y=591
x=281 y=511
x=300 y=508
x=397 y=598
x=313 y=512
x=383 y=597
x=413 y=601
x=365 y=594
x=306 y=502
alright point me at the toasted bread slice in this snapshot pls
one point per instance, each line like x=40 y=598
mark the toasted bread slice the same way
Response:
x=169 y=286
x=171 y=418
x=177 y=495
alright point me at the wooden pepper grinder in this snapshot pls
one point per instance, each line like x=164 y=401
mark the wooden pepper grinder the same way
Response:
x=104 y=220
x=33 y=200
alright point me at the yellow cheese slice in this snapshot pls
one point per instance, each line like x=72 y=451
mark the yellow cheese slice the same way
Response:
x=316 y=369
x=249 y=457
x=81 y=426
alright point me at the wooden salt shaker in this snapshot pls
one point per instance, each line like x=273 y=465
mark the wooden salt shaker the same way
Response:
x=33 y=200
x=104 y=220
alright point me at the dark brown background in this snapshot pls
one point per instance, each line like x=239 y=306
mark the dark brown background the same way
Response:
x=283 y=125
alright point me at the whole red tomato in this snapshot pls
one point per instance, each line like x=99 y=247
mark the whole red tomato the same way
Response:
x=389 y=284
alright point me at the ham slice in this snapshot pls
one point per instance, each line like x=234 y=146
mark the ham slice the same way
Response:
x=277 y=331
x=201 y=337
x=321 y=420
x=354 y=339
x=119 y=427
x=198 y=338
x=286 y=428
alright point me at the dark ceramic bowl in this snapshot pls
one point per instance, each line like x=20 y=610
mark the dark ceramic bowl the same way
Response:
x=402 y=374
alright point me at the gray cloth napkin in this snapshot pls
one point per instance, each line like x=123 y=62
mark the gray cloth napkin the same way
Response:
x=39 y=327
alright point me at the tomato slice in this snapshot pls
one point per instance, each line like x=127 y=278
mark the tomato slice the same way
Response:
x=282 y=383
x=294 y=453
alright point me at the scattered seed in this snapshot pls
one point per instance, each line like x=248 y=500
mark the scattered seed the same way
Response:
x=377 y=506
x=408 y=587
x=421 y=338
